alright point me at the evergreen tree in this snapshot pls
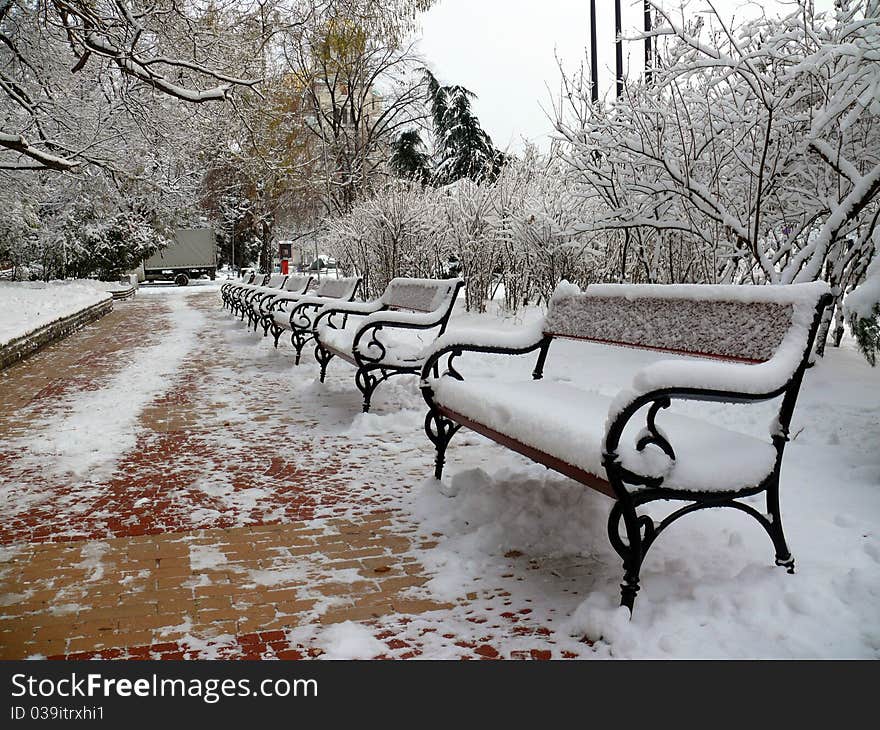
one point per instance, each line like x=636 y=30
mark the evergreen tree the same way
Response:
x=409 y=159
x=464 y=149
x=866 y=330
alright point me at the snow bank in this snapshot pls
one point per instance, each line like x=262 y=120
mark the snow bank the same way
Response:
x=27 y=306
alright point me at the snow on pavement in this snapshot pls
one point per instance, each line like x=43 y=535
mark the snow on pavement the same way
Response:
x=98 y=426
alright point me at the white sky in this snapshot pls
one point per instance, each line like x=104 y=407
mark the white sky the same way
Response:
x=503 y=51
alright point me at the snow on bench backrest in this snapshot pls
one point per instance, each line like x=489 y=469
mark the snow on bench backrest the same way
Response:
x=276 y=280
x=745 y=323
x=337 y=288
x=296 y=283
x=419 y=295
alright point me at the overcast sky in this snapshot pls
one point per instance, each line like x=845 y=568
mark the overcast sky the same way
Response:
x=504 y=51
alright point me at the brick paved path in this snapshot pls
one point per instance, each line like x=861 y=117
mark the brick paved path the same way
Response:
x=242 y=520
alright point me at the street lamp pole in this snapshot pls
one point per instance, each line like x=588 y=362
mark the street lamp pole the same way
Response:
x=648 y=58
x=594 y=58
x=618 y=50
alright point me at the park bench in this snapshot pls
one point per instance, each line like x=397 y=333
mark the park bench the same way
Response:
x=257 y=300
x=227 y=288
x=246 y=292
x=297 y=313
x=237 y=289
x=747 y=344
x=372 y=335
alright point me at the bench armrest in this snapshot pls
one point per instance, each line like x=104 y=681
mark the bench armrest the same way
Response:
x=416 y=320
x=763 y=380
x=304 y=312
x=362 y=308
x=658 y=384
x=345 y=309
x=370 y=326
x=455 y=343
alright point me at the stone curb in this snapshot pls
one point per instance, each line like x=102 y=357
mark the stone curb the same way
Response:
x=124 y=293
x=28 y=344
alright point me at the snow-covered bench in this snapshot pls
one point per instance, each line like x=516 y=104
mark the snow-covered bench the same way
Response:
x=297 y=313
x=243 y=294
x=752 y=343
x=372 y=335
x=256 y=301
x=227 y=289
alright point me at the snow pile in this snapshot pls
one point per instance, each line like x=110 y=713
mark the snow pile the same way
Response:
x=348 y=640
x=98 y=285
x=27 y=306
x=523 y=507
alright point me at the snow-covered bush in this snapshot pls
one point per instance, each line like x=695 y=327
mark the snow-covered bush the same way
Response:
x=394 y=233
x=81 y=227
x=108 y=247
x=544 y=245
x=516 y=232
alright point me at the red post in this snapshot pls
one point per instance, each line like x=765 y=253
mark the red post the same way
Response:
x=283 y=266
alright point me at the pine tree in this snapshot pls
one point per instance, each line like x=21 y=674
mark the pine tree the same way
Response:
x=464 y=149
x=409 y=159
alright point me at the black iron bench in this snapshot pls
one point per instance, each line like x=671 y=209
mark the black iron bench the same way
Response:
x=297 y=314
x=243 y=294
x=257 y=301
x=753 y=344
x=227 y=289
x=358 y=332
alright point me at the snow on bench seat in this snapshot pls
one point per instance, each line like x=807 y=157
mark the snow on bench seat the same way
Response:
x=400 y=349
x=568 y=423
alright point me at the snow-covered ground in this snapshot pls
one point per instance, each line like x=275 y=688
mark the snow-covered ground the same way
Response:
x=500 y=531
x=27 y=306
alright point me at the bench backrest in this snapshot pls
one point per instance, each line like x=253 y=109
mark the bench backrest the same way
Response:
x=276 y=280
x=338 y=288
x=740 y=323
x=420 y=295
x=297 y=284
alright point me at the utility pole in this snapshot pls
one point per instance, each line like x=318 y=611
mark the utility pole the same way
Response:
x=594 y=58
x=618 y=43
x=648 y=59
x=233 y=248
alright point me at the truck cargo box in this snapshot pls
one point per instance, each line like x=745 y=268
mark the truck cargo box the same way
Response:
x=194 y=253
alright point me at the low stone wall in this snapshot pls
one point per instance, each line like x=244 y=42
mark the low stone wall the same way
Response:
x=21 y=347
